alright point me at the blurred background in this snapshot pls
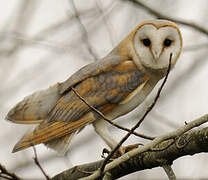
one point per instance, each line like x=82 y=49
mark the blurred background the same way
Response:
x=44 y=42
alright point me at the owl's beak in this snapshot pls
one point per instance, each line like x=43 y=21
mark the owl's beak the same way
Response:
x=156 y=53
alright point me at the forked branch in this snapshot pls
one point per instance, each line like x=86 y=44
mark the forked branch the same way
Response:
x=190 y=143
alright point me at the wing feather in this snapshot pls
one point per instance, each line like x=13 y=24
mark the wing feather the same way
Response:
x=90 y=70
x=103 y=91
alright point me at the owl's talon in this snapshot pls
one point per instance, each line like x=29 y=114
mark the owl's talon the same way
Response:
x=105 y=151
x=121 y=151
x=124 y=149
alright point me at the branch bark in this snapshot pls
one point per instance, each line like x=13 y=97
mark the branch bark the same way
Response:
x=164 y=153
x=169 y=171
x=4 y=173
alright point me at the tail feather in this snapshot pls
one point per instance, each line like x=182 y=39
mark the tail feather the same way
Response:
x=21 y=144
x=54 y=134
x=43 y=133
x=34 y=108
x=61 y=145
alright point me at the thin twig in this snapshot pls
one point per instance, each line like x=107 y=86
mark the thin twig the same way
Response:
x=108 y=25
x=162 y=16
x=101 y=170
x=40 y=38
x=169 y=171
x=108 y=120
x=6 y=174
x=140 y=121
x=38 y=164
x=85 y=36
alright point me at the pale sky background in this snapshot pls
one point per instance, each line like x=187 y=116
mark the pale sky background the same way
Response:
x=54 y=56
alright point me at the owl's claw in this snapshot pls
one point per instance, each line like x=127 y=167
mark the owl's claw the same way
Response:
x=121 y=151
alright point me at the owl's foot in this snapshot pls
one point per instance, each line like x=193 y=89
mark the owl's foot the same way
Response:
x=122 y=150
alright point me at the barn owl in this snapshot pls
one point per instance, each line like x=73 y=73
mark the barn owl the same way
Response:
x=114 y=85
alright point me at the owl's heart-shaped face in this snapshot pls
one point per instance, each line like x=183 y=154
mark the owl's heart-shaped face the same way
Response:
x=154 y=42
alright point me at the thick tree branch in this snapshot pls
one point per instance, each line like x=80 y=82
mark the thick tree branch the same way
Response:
x=164 y=153
x=151 y=145
x=169 y=171
x=107 y=176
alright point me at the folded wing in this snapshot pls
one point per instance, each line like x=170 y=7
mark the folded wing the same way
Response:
x=104 y=91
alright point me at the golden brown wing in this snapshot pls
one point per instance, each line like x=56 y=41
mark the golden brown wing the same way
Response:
x=34 y=108
x=90 y=70
x=103 y=91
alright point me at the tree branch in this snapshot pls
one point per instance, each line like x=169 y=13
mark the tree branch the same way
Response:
x=38 y=164
x=190 y=143
x=169 y=171
x=162 y=16
x=107 y=176
x=4 y=173
x=151 y=145
x=85 y=36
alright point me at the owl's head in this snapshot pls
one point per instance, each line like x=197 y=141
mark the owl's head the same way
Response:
x=154 y=41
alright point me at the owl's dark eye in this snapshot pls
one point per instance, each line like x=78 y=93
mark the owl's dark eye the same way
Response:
x=167 y=42
x=146 y=42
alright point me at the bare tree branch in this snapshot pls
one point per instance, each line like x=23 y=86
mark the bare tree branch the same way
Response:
x=107 y=176
x=190 y=143
x=4 y=173
x=169 y=171
x=38 y=164
x=151 y=145
x=85 y=36
x=105 y=20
